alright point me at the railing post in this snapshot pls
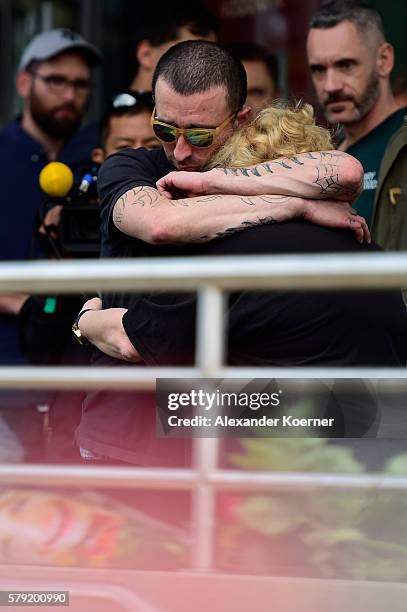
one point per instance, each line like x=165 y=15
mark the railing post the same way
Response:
x=210 y=343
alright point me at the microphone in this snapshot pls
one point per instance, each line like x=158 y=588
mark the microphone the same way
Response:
x=56 y=179
x=88 y=182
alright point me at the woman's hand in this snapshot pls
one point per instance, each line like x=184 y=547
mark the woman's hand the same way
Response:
x=332 y=213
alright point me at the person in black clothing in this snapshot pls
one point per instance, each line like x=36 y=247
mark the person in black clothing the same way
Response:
x=115 y=425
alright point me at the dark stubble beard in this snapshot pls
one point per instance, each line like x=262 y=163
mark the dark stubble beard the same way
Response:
x=369 y=97
x=58 y=129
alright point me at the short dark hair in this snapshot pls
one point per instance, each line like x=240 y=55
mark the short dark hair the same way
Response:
x=252 y=52
x=164 y=23
x=144 y=104
x=194 y=66
x=359 y=12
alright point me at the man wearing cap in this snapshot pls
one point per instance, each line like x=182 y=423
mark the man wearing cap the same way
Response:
x=54 y=82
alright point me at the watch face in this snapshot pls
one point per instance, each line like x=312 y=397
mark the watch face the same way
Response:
x=78 y=334
x=75 y=328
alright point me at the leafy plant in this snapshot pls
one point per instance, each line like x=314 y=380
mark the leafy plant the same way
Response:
x=325 y=533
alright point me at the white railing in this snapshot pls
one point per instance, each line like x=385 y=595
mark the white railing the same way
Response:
x=211 y=276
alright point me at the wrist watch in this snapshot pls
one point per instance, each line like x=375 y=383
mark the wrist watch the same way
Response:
x=77 y=332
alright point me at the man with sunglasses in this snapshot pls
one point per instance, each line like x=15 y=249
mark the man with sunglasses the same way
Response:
x=54 y=82
x=200 y=91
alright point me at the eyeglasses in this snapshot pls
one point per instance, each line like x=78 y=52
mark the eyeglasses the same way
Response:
x=128 y=99
x=58 y=84
x=197 y=137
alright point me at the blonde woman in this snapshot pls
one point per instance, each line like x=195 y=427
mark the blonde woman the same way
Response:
x=278 y=136
x=275 y=132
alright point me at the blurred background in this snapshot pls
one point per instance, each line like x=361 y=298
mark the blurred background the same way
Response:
x=279 y=25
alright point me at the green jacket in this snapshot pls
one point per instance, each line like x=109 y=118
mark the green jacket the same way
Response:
x=389 y=226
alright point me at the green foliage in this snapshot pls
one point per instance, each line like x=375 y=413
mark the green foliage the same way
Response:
x=295 y=455
x=338 y=534
x=397 y=466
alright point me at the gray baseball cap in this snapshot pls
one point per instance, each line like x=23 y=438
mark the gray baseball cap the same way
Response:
x=48 y=45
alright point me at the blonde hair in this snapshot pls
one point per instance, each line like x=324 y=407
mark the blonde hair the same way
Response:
x=275 y=132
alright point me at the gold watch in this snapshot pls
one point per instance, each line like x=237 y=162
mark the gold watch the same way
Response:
x=77 y=332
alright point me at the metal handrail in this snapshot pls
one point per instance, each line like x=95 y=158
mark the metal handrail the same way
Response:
x=211 y=276
x=350 y=270
x=130 y=378
x=182 y=479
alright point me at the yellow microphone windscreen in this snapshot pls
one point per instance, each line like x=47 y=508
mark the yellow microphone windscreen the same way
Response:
x=56 y=179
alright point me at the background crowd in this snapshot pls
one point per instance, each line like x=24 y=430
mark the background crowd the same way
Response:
x=355 y=92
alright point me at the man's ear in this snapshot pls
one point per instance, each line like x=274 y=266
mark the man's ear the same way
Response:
x=243 y=115
x=97 y=156
x=385 y=60
x=23 y=83
x=145 y=55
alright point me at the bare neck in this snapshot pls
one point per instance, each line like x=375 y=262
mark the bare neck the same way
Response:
x=51 y=146
x=384 y=107
x=142 y=80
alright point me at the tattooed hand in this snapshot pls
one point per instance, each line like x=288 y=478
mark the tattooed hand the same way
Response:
x=332 y=213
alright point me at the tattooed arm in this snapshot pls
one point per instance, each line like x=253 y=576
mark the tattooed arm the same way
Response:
x=321 y=175
x=144 y=213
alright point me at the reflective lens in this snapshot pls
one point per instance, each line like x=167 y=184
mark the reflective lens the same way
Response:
x=164 y=132
x=199 y=139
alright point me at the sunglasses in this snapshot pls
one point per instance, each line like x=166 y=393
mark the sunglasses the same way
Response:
x=197 y=137
x=128 y=99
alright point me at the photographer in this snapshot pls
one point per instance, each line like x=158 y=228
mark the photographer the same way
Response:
x=126 y=123
x=54 y=82
x=70 y=227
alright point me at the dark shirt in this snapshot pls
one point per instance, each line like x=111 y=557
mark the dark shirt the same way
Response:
x=120 y=172
x=369 y=150
x=281 y=328
x=266 y=328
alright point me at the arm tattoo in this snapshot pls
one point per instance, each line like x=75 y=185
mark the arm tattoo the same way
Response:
x=269 y=199
x=329 y=183
x=187 y=203
x=143 y=196
x=329 y=176
x=147 y=196
x=209 y=198
x=118 y=211
x=245 y=225
x=325 y=163
x=272 y=199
